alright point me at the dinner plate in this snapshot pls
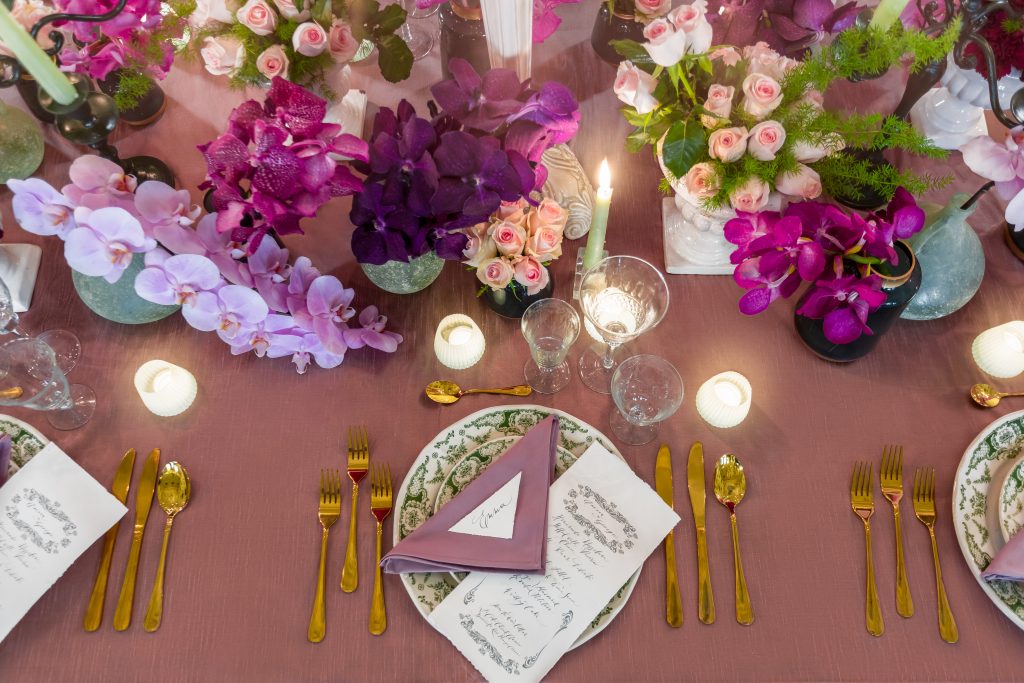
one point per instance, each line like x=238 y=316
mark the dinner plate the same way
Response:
x=26 y=441
x=1011 y=501
x=976 y=502
x=417 y=497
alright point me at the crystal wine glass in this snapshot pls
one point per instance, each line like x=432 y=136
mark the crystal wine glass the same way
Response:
x=31 y=378
x=416 y=13
x=550 y=327
x=646 y=390
x=420 y=42
x=622 y=297
x=65 y=344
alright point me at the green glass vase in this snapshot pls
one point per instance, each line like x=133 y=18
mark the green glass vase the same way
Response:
x=21 y=144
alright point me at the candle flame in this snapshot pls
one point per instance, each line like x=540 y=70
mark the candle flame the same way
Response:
x=604 y=176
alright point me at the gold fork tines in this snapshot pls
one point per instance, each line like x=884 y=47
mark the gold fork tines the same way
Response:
x=863 y=503
x=924 y=508
x=358 y=460
x=328 y=513
x=891 y=478
x=380 y=506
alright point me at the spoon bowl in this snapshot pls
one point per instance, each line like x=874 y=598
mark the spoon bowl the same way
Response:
x=173 y=489
x=445 y=392
x=730 y=481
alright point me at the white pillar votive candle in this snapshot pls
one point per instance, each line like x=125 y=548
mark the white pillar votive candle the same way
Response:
x=165 y=389
x=724 y=400
x=458 y=342
x=999 y=351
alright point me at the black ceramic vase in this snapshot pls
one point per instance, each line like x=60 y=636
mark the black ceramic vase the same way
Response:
x=147 y=110
x=513 y=301
x=462 y=35
x=619 y=24
x=900 y=283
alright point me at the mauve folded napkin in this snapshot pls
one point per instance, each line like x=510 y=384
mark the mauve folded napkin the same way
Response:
x=435 y=547
x=1008 y=564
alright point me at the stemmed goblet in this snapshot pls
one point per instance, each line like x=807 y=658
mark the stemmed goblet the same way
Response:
x=65 y=344
x=550 y=327
x=646 y=390
x=622 y=297
x=420 y=42
x=30 y=377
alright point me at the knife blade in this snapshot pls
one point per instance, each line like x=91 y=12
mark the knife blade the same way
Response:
x=695 y=484
x=143 y=502
x=663 y=485
x=119 y=489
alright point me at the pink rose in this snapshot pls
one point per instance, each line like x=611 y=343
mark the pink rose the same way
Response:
x=728 y=55
x=290 y=11
x=692 y=20
x=258 y=17
x=545 y=244
x=727 y=144
x=718 y=105
x=212 y=10
x=653 y=9
x=223 y=55
x=548 y=214
x=341 y=42
x=495 y=272
x=512 y=211
x=510 y=237
x=665 y=44
x=273 y=62
x=761 y=59
x=479 y=246
x=751 y=196
x=635 y=87
x=532 y=275
x=803 y=183
x=761 y=95
x=766 y=138
x=309 y=39
x=701 y=181
x=807 y=153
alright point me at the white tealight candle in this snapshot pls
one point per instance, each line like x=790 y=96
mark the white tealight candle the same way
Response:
x=724 y=400
x=458 y=342
x=165 y=389
x=1000 y=351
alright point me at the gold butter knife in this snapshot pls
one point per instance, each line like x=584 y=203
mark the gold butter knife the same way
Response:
x=143 y=501
x=663 y=485
x=122 y=480
x=695 y=483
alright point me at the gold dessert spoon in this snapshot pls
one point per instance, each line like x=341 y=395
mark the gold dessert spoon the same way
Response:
x=444 y=392
x=173 y=490
x=987 y=396
x=730 y=487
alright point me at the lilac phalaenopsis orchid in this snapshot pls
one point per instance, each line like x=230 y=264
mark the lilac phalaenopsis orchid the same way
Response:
x=838 y=253
x=105 y=242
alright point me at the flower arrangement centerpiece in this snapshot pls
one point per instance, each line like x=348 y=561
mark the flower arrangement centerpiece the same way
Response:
x=428 y=179
x=511 y=253
x=300 y=40
x=845 y=258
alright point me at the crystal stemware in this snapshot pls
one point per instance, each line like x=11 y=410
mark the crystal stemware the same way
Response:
x=420 y=42
x=622 y=297
x=31 y=378
x=550 y=327
x=65 y=344
x=646 y=390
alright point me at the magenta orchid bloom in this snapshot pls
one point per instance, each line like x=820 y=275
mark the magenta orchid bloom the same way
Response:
x=105 y=242
x=329 y=305
x=372 y=332
x=178 y=280
x=230 y=311
x=40 y=209
x=843 y=305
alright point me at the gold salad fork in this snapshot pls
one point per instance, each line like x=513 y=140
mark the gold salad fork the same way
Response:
x=358 y=458
x=328 y=512
x=863 y=503
x=924 y=508
x=380 y=506
x=891 y=479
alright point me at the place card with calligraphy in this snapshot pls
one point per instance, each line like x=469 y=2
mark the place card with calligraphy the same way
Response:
x=603 y=522
x=51 y=511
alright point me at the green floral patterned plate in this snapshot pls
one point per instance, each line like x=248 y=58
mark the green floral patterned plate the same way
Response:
x=25 y=440
x=452 y=450
x=1011 y=501
x=976 y=506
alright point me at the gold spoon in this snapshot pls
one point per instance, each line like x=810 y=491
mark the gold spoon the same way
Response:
x=730 y=485
x=173 y=490
x=450 y=392
x=987 y=396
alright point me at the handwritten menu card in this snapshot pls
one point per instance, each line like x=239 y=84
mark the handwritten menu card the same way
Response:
x=51 y=511
x=603 y=522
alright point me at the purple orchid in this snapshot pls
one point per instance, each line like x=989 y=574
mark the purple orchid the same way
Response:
x=384 y=231
x=788 y=26
x=230 y=311
x=476 y=176
x=372 y=332
x=482 y=103
x=177 y=280
x=40 y=209
x=105 y=242
x=843 y=305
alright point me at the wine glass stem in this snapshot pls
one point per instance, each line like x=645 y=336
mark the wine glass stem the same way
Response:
x=608 y=359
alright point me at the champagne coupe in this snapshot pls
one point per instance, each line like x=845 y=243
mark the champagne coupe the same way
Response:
x=646 y=390
x=550 y=327
x=31 y=378
x=622 y=297
x=65 y=344
x=420 y=42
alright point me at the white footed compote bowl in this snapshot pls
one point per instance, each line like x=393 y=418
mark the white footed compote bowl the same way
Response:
x=622 y=297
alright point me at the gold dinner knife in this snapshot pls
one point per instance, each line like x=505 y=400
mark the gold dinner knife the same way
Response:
x=143 y=501
x=122 y=480
x=695 y=482
x=663 y=484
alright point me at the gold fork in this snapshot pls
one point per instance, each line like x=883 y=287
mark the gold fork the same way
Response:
x=863 y=503
x=380 y=506
x=891 y=478
x=358 y=457
x=328 y=512
x=924 y=508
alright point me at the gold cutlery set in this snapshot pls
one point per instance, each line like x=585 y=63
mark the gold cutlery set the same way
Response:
x=329 y=511
x=172 y=489
x=863 y=504
x=729 y=486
